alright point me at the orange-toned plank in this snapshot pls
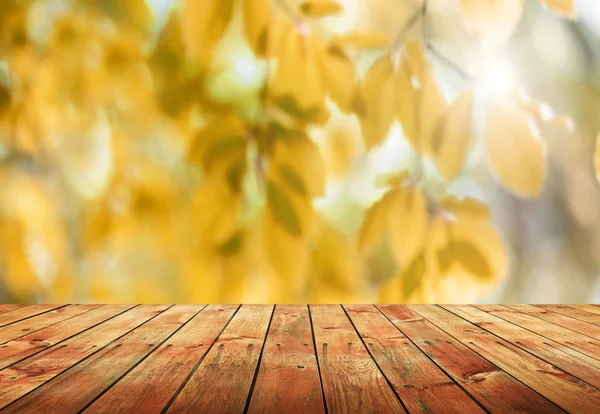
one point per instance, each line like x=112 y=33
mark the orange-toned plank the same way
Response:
x=566 y=337
x=493 y=388
x=7 y=307
x=567 y=391
x=223 y=379
x=288 y=377
x=573 y=312
x=24 y=313
x=25 y=346
x=150 y=385
x=420 y=383
x=72 y=390
x=352 y=382
x=562 y=357
x=32 y=372
x=559 y=319
x=38 y=322
x=587 y=308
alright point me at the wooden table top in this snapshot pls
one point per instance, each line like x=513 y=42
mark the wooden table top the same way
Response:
x=298 y=358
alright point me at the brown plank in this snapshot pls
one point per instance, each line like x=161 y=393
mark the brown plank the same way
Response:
x=223 y=379
x=574 y=313
x=567 y=391
x=7 y=307
x=352 y=382
x=288 y=377
x=72 y=390
x=563 y=336
x=24 y=313
x=32 y=372
x=24 y=327
x=567 y=359
x=25 y=346
x=150 y=385
x=587 y=308
x=559 y=319
x=493 y=388
x=420 y=383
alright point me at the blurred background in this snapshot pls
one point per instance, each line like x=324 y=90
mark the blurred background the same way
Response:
x=139 y=141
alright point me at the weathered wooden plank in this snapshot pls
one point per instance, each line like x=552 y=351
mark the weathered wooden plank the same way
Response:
x=7 y=307
x=32 y=372
x=566 y=337
x=25 y=346
x=149 y=387
x=587 y=308
x=493 y=388
x=575 y=363
x=559 y=319
x=223 y=379
x=567 y=391
x=24 y=313
x=420 y=383
x=27 y=326
x=72 y=390
x=574 y=313
x=288 y=377
x=352 y=382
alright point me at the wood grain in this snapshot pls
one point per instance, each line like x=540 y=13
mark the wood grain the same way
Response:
x=420 y=383
x=149 y=387
x=32 y=372
x=574 y=312
x=15 y=315
x=559 y=319
x=352 y=382
x=77 y=387
x=288 y=377
x=10 y=307
x=567 y=391
x=222 y=381
x=493 y=388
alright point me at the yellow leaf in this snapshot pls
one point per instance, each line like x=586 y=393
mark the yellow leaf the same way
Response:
x=597 y=158
x=373 y=226
x=203 y=24
x=257 y=16
x=466 y=208
x=377 y=102
x=454 y=137
x=432 y=106
x=493 y=21
x=282 y=209
x=406 y=101
x=292 y=179
x=565 y=8
x=515 y=153
x=392 y=179
x=319 y=8
x=338 y=76
x=405 y=282
x=363 y=40
x=297 y=85
x=408 y=223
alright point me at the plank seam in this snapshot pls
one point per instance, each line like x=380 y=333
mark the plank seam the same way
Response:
x=140 y=361
x=567 y=315
x=185 y=381
x=312 y=332
x=80 y=361
x=247 y=405
x=32 y=316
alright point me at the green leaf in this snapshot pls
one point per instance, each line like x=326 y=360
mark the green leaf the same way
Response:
x=292 y=179
x=283 y=210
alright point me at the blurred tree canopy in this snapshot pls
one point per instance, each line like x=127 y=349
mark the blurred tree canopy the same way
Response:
x=285 y=150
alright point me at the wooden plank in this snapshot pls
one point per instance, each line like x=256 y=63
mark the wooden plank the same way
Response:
x=567 y=391
x=563 y=336
x=575 y=363
x=223 y=379
x=288 y=377
x=352 y=382
x=7 y=307
x=574 y=313
x=32 y=372
x=25 y=346
x=24 y=313
x=559 y=319
x=587 y=308
x=38 y=322
x=420 y=383
x=493 y=388
x=75 y=388
x=150 y=385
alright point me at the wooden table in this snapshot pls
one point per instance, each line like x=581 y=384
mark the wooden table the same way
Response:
x=297 y=358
